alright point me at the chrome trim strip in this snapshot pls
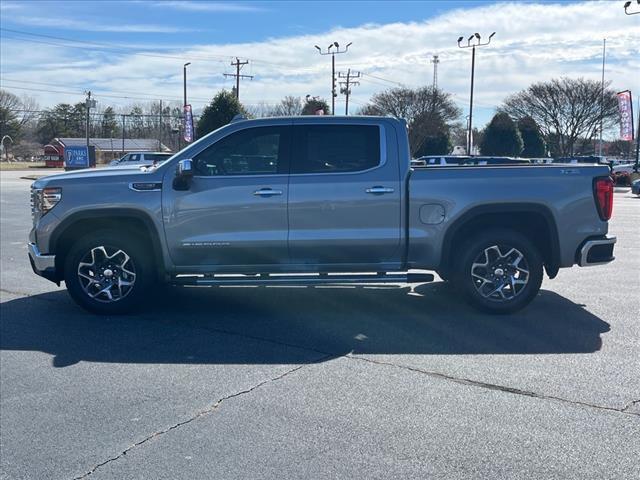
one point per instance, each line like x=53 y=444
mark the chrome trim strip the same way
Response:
x=131 y=187
x=584 y=251
x=41 y=262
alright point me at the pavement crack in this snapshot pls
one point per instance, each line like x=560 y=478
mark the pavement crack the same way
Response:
x=500 y=388
x=198 y=415
x=631 y=404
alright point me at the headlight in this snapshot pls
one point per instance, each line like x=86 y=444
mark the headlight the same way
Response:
x=44 y=199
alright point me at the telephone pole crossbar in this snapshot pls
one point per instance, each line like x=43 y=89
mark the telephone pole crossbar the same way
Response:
x=238 y=64
x=346 y=86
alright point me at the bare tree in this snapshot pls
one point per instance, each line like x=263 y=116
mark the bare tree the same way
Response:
x=15 y=114
x=566 y=110
x=425 y=110
x=288 y=106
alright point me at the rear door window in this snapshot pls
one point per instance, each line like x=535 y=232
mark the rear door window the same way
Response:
x=335 y=148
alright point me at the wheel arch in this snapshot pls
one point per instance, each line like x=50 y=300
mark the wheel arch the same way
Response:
x=533 y=220
x=131 y=221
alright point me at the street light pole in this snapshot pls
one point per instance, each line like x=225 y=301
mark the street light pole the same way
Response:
x=476 y=43
x=184 y=81
x=604 y=51
x=637 y=165
x=333 y=54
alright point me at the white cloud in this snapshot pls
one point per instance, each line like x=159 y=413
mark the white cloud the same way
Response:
x=201 y=6
x=534 y=42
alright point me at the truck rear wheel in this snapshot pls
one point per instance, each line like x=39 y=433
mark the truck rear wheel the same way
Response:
x=108 y=273
x=498 y=271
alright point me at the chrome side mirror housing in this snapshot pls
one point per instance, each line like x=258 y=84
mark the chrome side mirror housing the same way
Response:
x=184 y=174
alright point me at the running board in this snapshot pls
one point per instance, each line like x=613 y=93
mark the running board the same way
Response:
x=303 y=279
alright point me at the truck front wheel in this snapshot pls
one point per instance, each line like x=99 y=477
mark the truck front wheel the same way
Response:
x=108 y=273
x=498 y=271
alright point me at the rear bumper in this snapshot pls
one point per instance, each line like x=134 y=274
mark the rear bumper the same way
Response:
x=596 y=251
x=43 y=265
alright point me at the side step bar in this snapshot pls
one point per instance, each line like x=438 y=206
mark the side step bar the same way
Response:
x=302 y=279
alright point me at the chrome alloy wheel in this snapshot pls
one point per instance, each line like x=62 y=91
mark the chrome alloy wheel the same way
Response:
x=106 y=274
x=500 y=276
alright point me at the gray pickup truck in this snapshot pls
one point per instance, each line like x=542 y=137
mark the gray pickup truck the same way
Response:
x=316 y=200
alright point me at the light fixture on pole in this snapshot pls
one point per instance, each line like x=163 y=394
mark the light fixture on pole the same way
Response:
x=477 y=42
x=627 y=5
x=333 y=54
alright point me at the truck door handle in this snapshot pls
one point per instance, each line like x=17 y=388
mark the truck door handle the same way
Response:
x=378 y=190
x=267 y=192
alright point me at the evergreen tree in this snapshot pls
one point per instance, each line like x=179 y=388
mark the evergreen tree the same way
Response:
x=314 y=104
x=534 y=144
x=219 y=112
x=437 y=140
x=109 y=125
x=501 y=137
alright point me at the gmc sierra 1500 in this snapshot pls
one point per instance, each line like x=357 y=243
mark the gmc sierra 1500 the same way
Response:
x=316 y=200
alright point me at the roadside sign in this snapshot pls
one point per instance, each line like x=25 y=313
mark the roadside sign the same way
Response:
x=76 y=157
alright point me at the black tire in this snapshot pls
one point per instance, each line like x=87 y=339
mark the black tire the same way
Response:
x=109 y=275
x=509 y=289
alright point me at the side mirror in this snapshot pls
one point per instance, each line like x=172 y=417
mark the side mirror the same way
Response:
x=184 y=174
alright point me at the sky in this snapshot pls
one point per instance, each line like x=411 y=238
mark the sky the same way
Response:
x=129 y=52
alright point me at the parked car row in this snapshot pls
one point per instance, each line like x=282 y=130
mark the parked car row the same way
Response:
x=430 y=160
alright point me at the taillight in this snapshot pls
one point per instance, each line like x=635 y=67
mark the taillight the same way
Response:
x=603 y=193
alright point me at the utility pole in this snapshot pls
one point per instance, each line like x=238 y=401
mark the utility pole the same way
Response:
x=333 y=54
x=477 y=43
x=123 y=127
x=435 y=62
x=89 y=105
x=160 y=132
x=238 y=64
x=346 y=90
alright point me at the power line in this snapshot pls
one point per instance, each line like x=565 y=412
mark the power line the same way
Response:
x=107 y=46
x=400 y=84
x=149 y=97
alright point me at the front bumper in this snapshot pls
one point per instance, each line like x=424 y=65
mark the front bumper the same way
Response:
x=596 y=251
x=43 y=265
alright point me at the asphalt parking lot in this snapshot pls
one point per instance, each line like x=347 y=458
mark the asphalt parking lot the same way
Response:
x=392 y=382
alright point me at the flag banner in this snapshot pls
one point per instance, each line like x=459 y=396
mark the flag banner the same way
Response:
x=188 y=124
x=626 y=115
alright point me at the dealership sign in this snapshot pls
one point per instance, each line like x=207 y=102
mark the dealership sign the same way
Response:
x=76 y=157
x=626 y=115
x=188 y=124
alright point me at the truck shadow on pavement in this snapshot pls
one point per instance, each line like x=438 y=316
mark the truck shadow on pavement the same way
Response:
x=272 y=325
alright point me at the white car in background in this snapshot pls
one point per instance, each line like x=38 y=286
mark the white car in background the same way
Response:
x=141 y=159
x=625 y=168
